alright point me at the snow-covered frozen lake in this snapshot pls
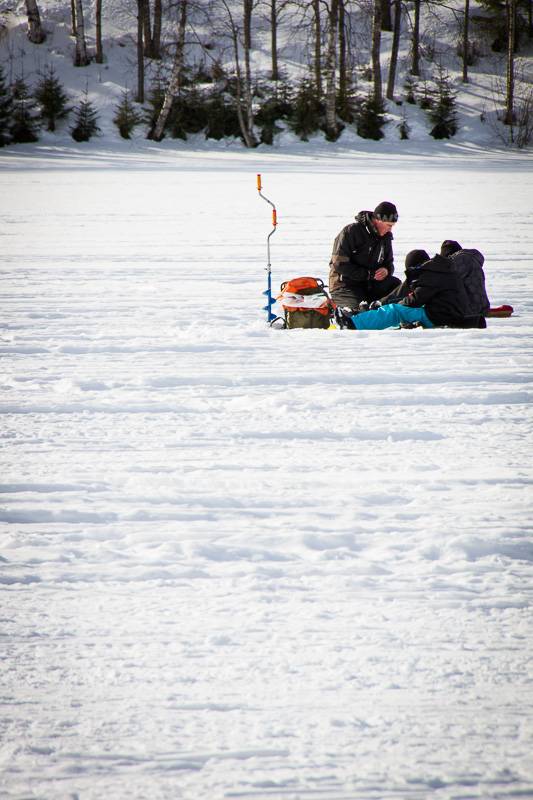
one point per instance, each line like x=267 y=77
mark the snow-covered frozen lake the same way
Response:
x=240 y=562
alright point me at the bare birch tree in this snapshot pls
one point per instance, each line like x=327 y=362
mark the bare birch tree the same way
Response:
x=99 y=57
x=152 y=31
x=376 y=47
x=317 y=47
x=81 y=59
x=72 y=17
x=394 y=50
x=140 y=51
x=342 y=52
x=511 y=41
x=275 y=11
x=332 y=129
x=243 y=94
x=35 y=31
x=415 y=42
x=465 y=41
x=386 y=17
x=247 y=46
x=176 y=75
x=156 y=29
x=147 y=28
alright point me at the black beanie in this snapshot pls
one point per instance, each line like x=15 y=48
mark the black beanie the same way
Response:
x=415 y=257
x=449 y=247
x=386 y=212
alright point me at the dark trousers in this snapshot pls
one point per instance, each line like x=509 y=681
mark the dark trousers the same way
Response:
x=355 y=292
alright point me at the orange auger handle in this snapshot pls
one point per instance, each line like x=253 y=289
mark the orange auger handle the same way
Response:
x=274 y=215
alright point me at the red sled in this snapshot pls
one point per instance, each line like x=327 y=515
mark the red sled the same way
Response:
x=501 y=311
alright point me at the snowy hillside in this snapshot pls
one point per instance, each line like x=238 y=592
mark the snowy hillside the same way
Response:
x=105 y=83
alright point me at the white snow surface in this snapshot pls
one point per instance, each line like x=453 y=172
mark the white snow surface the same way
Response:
x=241 y=562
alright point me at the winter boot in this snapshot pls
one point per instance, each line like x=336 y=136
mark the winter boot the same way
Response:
x=343 y=318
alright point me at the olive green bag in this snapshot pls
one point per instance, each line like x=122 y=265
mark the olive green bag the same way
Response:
x=306 y=304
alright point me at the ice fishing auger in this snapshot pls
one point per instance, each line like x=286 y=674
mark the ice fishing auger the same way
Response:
x=270 y=301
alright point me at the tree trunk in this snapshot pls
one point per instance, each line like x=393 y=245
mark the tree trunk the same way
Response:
x=386 y=19
x=175 y=78
x=318 y=50
x=274 y=40
x=395 y=48
x=99 y=58
x=376 y=46
x=73 y=17
x=156 y=33
x=465 y=42
x=81 y=58
x=35 y=31
x=511 y=31
x=247 y=44
x=331 y=66
x=147 y=29
x=415 y=62
x=342 y=53
x=245 y=121
x=140 y=51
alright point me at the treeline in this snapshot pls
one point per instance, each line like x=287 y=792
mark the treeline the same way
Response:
x=195 y=68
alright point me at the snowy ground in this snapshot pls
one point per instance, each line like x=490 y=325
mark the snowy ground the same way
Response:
x=239 y=562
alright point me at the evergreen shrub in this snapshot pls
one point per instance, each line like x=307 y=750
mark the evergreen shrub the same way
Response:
x=6 y=106
x=309 y=113
x=24 y=125
x=86 y=125
x=127 y=117
x=370 y=118
x=443 y=111
x=52 y=98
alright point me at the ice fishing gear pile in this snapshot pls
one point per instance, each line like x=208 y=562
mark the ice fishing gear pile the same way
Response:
x=306 y=304
x=305 y=301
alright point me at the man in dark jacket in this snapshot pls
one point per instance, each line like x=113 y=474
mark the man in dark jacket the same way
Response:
x=432 y=294
x=361 y=266
x=468 y=264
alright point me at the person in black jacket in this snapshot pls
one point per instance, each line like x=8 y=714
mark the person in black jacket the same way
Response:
x=362 y=263
x=469 y=266
x=431 y=295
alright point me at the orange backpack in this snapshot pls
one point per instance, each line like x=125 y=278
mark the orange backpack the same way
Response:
x=306 y=303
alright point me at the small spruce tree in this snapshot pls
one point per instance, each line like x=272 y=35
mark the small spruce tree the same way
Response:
x=6 y=105
x=370 y=118
x=86 y=121
x=274 y=109
x=127 y=117
x=155 y=99
x=222 y=116
x=403 y=127
x=410 y=87
x=24 y=126
x=443 y=112
x=52 y=99
x=309 y=113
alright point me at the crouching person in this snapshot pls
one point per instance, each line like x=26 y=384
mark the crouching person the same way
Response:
x=362 y=262
x=432 y=295
x=469 y=266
